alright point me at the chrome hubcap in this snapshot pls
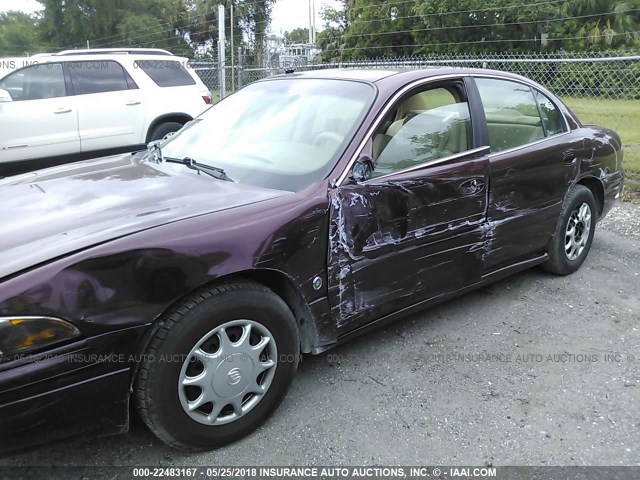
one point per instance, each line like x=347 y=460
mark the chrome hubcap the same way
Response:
x=228 y=372
x=577 y=232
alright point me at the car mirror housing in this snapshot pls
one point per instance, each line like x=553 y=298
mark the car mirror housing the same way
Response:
x=362 y=170
x=5 y=96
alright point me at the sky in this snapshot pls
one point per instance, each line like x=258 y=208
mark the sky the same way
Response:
x=290 y=14
x=287 y=14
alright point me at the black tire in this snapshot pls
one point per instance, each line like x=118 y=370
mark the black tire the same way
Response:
x=157 y=383
x=162 y=130
x=559 y=262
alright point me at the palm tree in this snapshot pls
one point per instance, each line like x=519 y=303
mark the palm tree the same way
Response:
x=605 y=21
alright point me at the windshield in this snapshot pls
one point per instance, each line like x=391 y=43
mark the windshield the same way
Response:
x=282 y=134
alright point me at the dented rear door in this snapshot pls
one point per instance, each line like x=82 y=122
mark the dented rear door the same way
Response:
x=406 y=238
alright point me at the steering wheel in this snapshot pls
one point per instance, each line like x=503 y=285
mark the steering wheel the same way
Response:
x=323 y=138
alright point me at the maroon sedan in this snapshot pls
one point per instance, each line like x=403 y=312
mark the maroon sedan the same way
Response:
x=185 y=281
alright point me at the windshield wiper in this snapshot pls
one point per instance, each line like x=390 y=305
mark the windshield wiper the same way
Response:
x=189 y=162
x=156 y=154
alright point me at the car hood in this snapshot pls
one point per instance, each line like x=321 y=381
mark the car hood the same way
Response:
x=57 y=211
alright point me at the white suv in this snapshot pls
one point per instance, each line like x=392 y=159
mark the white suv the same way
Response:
x=80 y=101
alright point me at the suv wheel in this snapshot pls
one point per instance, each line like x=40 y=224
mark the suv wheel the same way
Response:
x=164 y=129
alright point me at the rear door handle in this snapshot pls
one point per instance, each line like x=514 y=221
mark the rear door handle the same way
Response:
x=62 y=110
x=132 y=103
x=472 y=186
x=570 y=157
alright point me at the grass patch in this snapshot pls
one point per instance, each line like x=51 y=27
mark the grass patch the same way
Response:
x=623 y=116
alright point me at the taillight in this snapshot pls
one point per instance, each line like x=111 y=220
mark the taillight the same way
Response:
x=207 y=99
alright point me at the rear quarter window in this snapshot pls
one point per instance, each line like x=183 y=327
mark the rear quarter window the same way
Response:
x=166 y=73
x=551 y=116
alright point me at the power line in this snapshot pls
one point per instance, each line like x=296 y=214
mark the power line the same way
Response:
x=204 y=23
x=100 y=41
x=121 y=36
x=486 y=25
x=199 y=28
x=503 y=40
x=455 y=12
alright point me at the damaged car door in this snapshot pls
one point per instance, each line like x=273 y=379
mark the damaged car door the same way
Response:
x=534 y=159
x=407 y=223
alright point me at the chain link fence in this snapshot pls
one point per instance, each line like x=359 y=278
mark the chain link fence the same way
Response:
x=584 y=74
x=600 y=87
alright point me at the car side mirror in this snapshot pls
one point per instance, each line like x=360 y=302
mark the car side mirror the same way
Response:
x=362 y=170
x=5 y=96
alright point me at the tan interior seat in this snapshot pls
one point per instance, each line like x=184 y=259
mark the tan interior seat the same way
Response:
x=415 y=103
x=512 y=129
x=380 y=141
x=411 y=106
x=456 y=139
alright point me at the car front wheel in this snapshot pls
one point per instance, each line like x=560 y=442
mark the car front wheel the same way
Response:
x=218 y=366
x=570 y=244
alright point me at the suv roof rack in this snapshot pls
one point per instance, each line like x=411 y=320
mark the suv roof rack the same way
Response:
x=121 y=51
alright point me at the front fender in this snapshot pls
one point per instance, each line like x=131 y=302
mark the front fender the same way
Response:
x=130 y=281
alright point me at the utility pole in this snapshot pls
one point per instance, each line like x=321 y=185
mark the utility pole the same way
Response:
x=313 y=7
x=233 y=77
x=221 y=52
x=312 y=21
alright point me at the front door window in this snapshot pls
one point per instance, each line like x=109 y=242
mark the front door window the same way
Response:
x=426 y=126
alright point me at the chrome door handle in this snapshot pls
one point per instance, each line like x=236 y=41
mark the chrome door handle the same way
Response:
x=472 y=186
x=62 y=110
x=569 y=156
x=132 y=103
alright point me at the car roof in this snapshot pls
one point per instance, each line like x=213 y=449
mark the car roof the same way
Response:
x=106 y=51
x=400 y=75
x=369 y=75
x=51 y=58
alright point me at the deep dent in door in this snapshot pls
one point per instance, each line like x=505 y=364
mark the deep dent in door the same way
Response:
x=362 y=225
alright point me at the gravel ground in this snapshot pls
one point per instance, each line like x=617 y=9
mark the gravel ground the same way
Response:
x=533 y=370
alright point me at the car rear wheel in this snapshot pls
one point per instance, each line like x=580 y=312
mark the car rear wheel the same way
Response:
x=164 y=129
x=571 y=243
x=217 y=366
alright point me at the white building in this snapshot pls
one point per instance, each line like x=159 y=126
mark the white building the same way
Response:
x=282 y=54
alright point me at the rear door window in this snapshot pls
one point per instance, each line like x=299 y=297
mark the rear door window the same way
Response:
x=512 y=113
x=99 y=77
x=166 y=73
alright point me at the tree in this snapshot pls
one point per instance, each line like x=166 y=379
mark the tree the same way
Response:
x=108 y=23
x=392 y=22
x=375 y=28
x=251 y=19
x=187 y=27
x=297 y=35
x=152 y=24
x=254 y=20
x=331 y=39
x=483 y=26
x=603 y=23
x=18 y=34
